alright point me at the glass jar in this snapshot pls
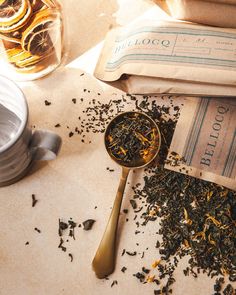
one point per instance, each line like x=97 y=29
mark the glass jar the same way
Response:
x=31 y=34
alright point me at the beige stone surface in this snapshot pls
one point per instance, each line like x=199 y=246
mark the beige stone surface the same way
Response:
x=76 y=182
x=71 y=186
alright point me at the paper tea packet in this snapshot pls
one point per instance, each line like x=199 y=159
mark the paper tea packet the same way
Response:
x=204 y=141
x=219 y=13
x=150 y=57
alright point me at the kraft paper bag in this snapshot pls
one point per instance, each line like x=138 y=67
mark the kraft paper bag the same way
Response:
x=150 y=56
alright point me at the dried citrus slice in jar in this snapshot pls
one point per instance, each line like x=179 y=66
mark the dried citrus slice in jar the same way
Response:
x=34 y=63
x=31 y=36
x=14 y=14
x=43 y=33
x=17 y=55
x=51 y=3
x=34 y=2
x=37 y=5
x=10 y=38
x=24 y=59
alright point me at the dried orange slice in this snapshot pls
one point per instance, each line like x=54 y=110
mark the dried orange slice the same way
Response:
x=24 y=63
x=33 y=64
x=37 y=5
x=23 y=59
x=43 y=33
x=14 y=14
x=10 y=38
x=40 y=65
x=43 y=41
x=34 y=2
x=13 y=51
x=2 y=2
x=51 y=3
x=21 y=56
x=16 y=55
x=28 y=61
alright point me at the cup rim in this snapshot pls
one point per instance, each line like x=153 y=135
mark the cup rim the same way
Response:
x=20 y=95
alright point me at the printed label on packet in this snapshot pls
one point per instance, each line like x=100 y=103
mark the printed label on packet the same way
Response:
x=178 y=45
x=205 y=140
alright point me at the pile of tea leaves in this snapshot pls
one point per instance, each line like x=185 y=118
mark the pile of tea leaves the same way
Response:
x=195 y=219
x=132 y=139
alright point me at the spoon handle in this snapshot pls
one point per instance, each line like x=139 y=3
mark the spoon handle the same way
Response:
x=104 y=260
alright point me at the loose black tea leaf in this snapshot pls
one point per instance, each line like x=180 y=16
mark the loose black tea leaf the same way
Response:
x=61 y=245
x=133 y=204
x=145 y=270
x=37 y=230
x=229 y=290
x=72 y=226
x=61 y=227
x=124 y=269
x=34 y=201
x=131 y=253
x=158 y=244
x=27 y=243
x=71 y=134
x=71 y=234
x=71 y=257
x=232 y=277
x=47 y=103
x=74 y=100
x=140 y=276
x=88 y=224
x=57 y=125
x=138 y=210
x=114 y=283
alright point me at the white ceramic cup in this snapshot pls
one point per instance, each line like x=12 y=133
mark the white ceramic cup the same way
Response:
x=22 y=147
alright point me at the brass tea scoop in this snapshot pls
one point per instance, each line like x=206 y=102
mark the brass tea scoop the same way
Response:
x=124 y=126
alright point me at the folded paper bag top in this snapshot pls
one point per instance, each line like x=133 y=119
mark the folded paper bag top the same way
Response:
x=219 y=13
x=162 y=54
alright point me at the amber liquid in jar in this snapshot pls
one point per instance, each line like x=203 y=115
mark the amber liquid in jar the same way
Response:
x=31 y=36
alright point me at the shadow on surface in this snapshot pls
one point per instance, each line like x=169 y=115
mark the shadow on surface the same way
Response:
x=86 y=24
